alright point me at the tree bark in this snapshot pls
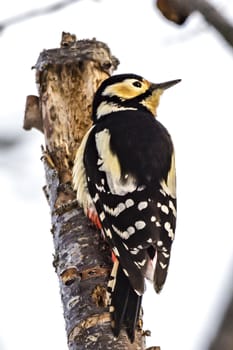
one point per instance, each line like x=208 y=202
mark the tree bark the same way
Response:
x=68 y=78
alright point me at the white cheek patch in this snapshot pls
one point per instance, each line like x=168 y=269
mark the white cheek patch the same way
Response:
x=107 y=108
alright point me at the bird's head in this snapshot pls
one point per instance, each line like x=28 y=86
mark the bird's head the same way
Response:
x=128 y=92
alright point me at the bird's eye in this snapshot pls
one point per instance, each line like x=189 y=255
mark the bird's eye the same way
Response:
x=137 y=84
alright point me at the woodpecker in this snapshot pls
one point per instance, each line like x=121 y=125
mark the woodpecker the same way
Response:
x=124 y=175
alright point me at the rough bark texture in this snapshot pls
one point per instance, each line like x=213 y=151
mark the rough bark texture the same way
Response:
x=68 y=78
x=178 y=10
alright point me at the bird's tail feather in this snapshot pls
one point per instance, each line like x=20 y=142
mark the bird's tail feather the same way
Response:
x=125 y=303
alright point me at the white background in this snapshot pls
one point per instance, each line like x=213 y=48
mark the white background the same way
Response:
x=197 y=112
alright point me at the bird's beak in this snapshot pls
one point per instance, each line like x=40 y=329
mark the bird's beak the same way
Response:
x=164 y=86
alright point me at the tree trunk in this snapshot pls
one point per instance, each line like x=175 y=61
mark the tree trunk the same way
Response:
x=68 y=78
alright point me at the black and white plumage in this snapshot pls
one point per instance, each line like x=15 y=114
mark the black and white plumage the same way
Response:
x=124 y=174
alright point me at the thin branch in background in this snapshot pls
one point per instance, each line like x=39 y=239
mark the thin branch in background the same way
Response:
x=216 y=19
x=9 y=142
x=174 y=10
x=179 y=10
x=35 y=13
